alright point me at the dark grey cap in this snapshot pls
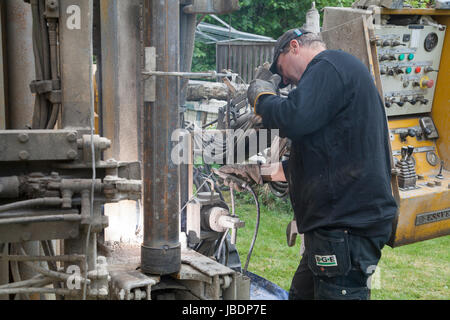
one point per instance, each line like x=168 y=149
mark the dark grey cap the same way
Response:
x=282 y=42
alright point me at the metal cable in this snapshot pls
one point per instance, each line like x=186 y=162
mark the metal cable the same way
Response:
x=92 y=123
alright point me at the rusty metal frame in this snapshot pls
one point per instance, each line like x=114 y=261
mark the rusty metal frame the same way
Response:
x=76 y=53
x=2 y=72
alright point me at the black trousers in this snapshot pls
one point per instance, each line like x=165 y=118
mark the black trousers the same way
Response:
x=336 y=265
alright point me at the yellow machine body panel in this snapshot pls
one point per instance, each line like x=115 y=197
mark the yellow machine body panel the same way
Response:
x=441 y=109
x=424 y=211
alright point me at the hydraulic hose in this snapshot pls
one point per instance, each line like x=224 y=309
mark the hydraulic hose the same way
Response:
x=255 y=234
x=244 y=185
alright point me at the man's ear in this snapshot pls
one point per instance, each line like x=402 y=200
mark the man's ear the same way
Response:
x=294 y=45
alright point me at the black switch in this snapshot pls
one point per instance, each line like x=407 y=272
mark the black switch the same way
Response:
x=406 y=37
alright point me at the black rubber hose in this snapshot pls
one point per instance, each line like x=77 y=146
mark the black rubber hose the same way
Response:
x=258 y=217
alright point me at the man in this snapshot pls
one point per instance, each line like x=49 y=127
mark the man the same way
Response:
x=339 y=167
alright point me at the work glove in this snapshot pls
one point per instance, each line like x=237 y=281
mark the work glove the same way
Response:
x=263 y=72
x=248 y=173
x=259 y=87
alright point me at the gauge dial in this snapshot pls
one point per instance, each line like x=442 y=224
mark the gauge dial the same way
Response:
x=431 y=41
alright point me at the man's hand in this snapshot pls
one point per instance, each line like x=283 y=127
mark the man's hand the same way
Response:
x=250 y=174
x=260 y=87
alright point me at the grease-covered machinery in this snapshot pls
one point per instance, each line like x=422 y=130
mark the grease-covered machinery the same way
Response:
x=408 y=52
x=56 y=182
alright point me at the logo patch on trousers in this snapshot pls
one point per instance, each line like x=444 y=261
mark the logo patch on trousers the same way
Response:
x=326 y=261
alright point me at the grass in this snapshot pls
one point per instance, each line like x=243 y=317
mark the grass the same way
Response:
x=419 y=271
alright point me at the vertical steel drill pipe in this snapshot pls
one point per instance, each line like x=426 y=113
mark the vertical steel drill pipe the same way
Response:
x=20 y=63
x=161 y=250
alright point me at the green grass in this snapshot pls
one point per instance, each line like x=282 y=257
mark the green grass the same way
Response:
x=419 y=271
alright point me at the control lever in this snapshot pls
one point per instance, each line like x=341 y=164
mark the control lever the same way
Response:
x=396 y=43
x=422 y=100
x=410 y=133
x=397 y=70
x=430 y=69
x=404 y=153
x=388 y=102
x=440 y=176
x=401 y=102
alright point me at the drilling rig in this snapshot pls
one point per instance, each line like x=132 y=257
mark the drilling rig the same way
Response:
x=90 y=95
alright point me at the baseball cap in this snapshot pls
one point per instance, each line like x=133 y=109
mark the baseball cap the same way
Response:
x=282 y=42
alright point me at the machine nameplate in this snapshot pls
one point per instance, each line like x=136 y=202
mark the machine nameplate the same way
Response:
x=431 y=217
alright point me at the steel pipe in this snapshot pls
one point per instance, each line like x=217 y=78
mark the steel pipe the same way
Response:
x=67 y=217
x=37 y=281
x=20 y=63
x=161 y=249
x=66 y=258
x=61 y=292
x=31 y=203
x=192 y=75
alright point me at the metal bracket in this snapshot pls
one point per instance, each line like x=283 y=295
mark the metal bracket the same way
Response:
x=150 y=74
x=150 y=82
x=38 y=145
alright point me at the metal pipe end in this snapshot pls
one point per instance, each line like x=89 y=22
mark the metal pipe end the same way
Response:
x=161 y=261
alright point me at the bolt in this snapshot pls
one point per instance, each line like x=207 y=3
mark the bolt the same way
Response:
x=52 y=5
x=23 y=137
x=72 y=137
x=26 y=236
x=24 y=155
x=72 y=154
x=104 y=143
x=73 y=233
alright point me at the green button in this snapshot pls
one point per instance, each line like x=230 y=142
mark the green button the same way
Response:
x=408 y=70
x=410 y=56
x=401 y=57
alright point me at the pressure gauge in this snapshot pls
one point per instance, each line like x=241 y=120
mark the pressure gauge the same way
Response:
x=432 y=158
x=431 y=41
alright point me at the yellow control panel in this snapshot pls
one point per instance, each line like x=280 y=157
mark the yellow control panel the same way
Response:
x=414 y=65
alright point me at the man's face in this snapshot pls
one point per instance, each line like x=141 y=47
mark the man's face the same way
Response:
x=287 y=65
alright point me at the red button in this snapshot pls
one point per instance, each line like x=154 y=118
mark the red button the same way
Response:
x=418 y=69
x=429 y=83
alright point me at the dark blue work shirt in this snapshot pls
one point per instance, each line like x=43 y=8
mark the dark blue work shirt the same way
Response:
x=339 y=167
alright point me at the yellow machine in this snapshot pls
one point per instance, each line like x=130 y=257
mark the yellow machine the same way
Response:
x=408 y=51
x=425 y=207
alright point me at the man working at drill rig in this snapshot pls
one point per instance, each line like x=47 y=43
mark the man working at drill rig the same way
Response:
x=339 y=167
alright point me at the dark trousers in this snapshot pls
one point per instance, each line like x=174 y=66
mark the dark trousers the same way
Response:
x=336 y=265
